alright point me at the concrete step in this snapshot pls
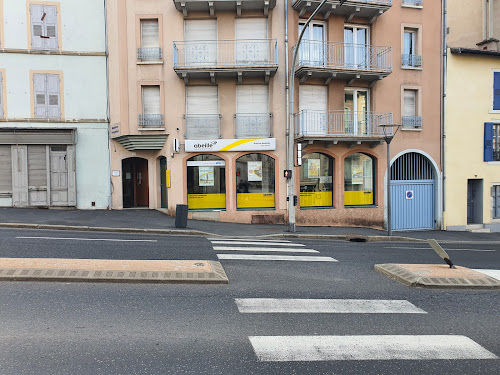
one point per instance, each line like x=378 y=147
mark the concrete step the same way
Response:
x=484 y=230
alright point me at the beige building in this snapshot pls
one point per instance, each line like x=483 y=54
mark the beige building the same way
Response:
x=198 y=106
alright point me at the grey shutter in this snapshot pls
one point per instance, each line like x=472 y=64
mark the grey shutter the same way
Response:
x=50 y=27
x=314 y=106
x=36 y=14
x=1 y=96
x=5 y=169
x=251 y=36
x=151 y=104
x=19 y=176
x=71 y=156
x=201 y=100
x=41 y=100
x=201 y=42
x=53 y=95
x=37 y=175
x=409 y=107
x=149 y=34
x=252 y=99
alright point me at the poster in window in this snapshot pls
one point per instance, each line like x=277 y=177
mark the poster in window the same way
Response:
x=357 y=174
x=254 y=171
x=313 y=168
x=206 y=175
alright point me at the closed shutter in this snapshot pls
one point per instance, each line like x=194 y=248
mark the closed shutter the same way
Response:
x=36 y=14
x=151 y=100
x=1 y=96
x=19 y=176
x=496 y=91
x=251 y=28
x=201 y=100
x=41 y=100
x=53 y=94
x=37 y=175
x=149 y=34
x=71 y=155
x=201 y=42
x=488 y=141
x=409 y=103
x=200 y=30
x=5 y=169
x=313 y=98
x=50 y=27
x=251 y=36
x=252 y=99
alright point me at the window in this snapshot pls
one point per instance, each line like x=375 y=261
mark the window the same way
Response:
x=255 y=181
x=495 y=195
x=356 y=47
x=410 y=118
x=252 y=45
x=43 y=27
x=410 y=57
x=151 y=107
x=356 y=112
x=47 y=95
x=491 y=142
x=496 y=91
x=358 y=180
x=312 y=48
x=150 y=41
x=252 y=111
x=202 y=116
x=415 y=3
x=206 y=182
x=316 y=181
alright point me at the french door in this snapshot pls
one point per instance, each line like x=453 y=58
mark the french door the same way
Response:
x=356 y=112
x=356 y=51
x=313 y=47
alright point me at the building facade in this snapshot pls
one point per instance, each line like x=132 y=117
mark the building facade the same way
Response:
x=53 y=104
x=472 y=117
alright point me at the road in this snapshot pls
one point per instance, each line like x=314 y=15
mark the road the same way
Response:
x=79 y=328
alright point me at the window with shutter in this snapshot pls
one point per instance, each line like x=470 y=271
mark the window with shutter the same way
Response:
x=151 y=100
x=496 y=91
x=47 y=95
x=44 y=27
x=53 y=96
x=409 y=106
x=495 y=195
x=488 y=141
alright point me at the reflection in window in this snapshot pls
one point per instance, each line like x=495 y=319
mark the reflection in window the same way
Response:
x=255 y=181
x=358 y=180
x=206 y=182
x=316 y=181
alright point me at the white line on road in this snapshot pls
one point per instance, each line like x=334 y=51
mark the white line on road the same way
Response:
x=85 y=239
x=276 y=257
x=429 y=248
x=493 y=273
x=243 y=239
x=274 y=249
x=348 y=348
x=256 y=243
x=331 y=306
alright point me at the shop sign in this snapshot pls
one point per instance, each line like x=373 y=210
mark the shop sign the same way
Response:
x=206 y=163
x=219 y=145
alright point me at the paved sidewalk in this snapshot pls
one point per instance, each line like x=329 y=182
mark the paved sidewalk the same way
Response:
x=156 y=221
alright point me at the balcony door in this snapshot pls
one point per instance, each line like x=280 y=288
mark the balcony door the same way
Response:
x=202 y=112
x=313 y=47
x=252 y=111
x=313 y=107
x=356 y=51
x=200 y=38
x=252 y=46
x=356 y=112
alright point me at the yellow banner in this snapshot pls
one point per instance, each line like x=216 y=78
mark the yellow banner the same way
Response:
x=316 y=199
x=358 y=198
x=206 y=201
x=255 y=200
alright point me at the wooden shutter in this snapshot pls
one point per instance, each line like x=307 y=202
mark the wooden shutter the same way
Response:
x=50 y=27
x=202 y=100
x=71 y=156
x=149 y=34
x=488 y=141
x=313 y=97
x=40 y=92
x=151 y=104
x=252 y=99
x=19 y=176
x=1 y=96
x=409 y=104
x=53 y=96
x=496 y=91
x=5 y=169
x=36 y=14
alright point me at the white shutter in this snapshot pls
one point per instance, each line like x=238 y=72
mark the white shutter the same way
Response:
x=5 y=169
x=40 y=92
x=251 y=28
x=53 y=95
x=36 y=14
x=71 y=155
x=151 y=100
x=201 y=42
x=19 y=176
x=50 y=27
x=200 y=30
x=149 y=34
x=252 y=99
x=202 y=100
x=37 y=175
x=313 y=98
x=409 y=108
x=1 y=97
x=251 y=44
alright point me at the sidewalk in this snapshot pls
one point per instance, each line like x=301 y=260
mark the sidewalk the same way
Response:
x=151 y=220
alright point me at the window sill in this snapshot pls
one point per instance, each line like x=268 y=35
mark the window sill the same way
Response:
x=149 y=62
x=256 y=209
x=404 y=67
x=150 y=129
x=207 y=210
x=494 y=111
x=412 y=6
x=408 y=129
x=496 y=162
x=317 y=208
x=363 y=206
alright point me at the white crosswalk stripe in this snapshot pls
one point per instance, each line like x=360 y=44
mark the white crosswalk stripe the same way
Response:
x=276 y=257
x=245 y=239
x=378 y=347
x=257 y=243
x=320 y=306
x=492 y=273
x=273 y=249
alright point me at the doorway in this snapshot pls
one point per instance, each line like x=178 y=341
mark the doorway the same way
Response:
x=474 y=201
x=356 y=111
x=135 y=182
x=163 y=181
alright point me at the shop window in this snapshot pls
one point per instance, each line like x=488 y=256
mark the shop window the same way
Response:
x=316 y=181
x=255 y=181
x=358 y=180
x=206 y=182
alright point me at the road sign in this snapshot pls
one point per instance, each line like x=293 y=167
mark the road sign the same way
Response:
x=409 y=194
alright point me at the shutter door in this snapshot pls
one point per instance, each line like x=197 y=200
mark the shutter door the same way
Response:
x=37 y=175
x=54 y=102
x=5 y=169
x=200 y=30
x=151 y=100
x=252 y=99
x=409 y=103
x=149 y=34
x=19 y=176
x=40 y=88
x=248 y=49
x=313 y=103
x=1 y=96
x=203 y=37
x=36 y=14
x=50 y=31
x=201 y=100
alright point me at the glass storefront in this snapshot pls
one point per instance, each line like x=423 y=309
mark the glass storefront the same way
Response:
x=358 y=180
x=316 y=181
x=255 y=181
x=206 y=182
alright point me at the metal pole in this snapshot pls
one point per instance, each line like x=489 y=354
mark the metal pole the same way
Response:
x=389 y=217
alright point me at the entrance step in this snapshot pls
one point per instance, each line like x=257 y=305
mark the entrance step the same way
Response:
x=477 y=228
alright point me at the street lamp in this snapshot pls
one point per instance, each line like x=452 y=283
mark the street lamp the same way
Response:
x=389 y=134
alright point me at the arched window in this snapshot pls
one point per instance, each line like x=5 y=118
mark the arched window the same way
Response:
x=255 y=181
x=206 y=182
x=316 y=181
x=359 y=180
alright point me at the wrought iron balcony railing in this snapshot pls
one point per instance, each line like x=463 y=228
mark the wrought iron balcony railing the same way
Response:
x=413 y=2
x=412 y=122
x=341 y=124
x=225 y=53
x=149 y=53
x=411 y=60
x=249 y=125
x=151 y=121
x=202 y=126
x=344 y=56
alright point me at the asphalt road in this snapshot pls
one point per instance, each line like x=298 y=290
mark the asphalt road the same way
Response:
x=79 y=328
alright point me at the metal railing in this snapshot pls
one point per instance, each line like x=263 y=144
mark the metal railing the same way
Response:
x=381 y=2
x=344 y=56
x=149 y=53
x=203 y=126
x=250 y=125
x=151 y=121
x=411 y=121
x=225 y=53
x=413 y=2
x=341 y=123
x=411 y=60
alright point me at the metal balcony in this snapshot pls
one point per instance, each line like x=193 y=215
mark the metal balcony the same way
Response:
x=411 y=122
x=367 y=9
x=211 y=6
x=203 y=126
x=414 y=61
x=341 y=126
x=330 y=60
x=208 y=58
x=252 y=125
x=151 y=121
x=149 y=54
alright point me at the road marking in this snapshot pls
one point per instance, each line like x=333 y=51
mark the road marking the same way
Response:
x=256 y=243
x=276 y=257
x=348 y=348
x=331 y=306
x=492 y=273
x=428 y=248
x=85 y=239
x=283 y=250
x=244 y=239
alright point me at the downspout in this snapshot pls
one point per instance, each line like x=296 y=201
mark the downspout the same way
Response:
x=287 y=93
x=443 y=112
x=110 y=201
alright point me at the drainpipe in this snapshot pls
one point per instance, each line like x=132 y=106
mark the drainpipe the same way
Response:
x=287 y=93
x=110 y=201
x=443 y=114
